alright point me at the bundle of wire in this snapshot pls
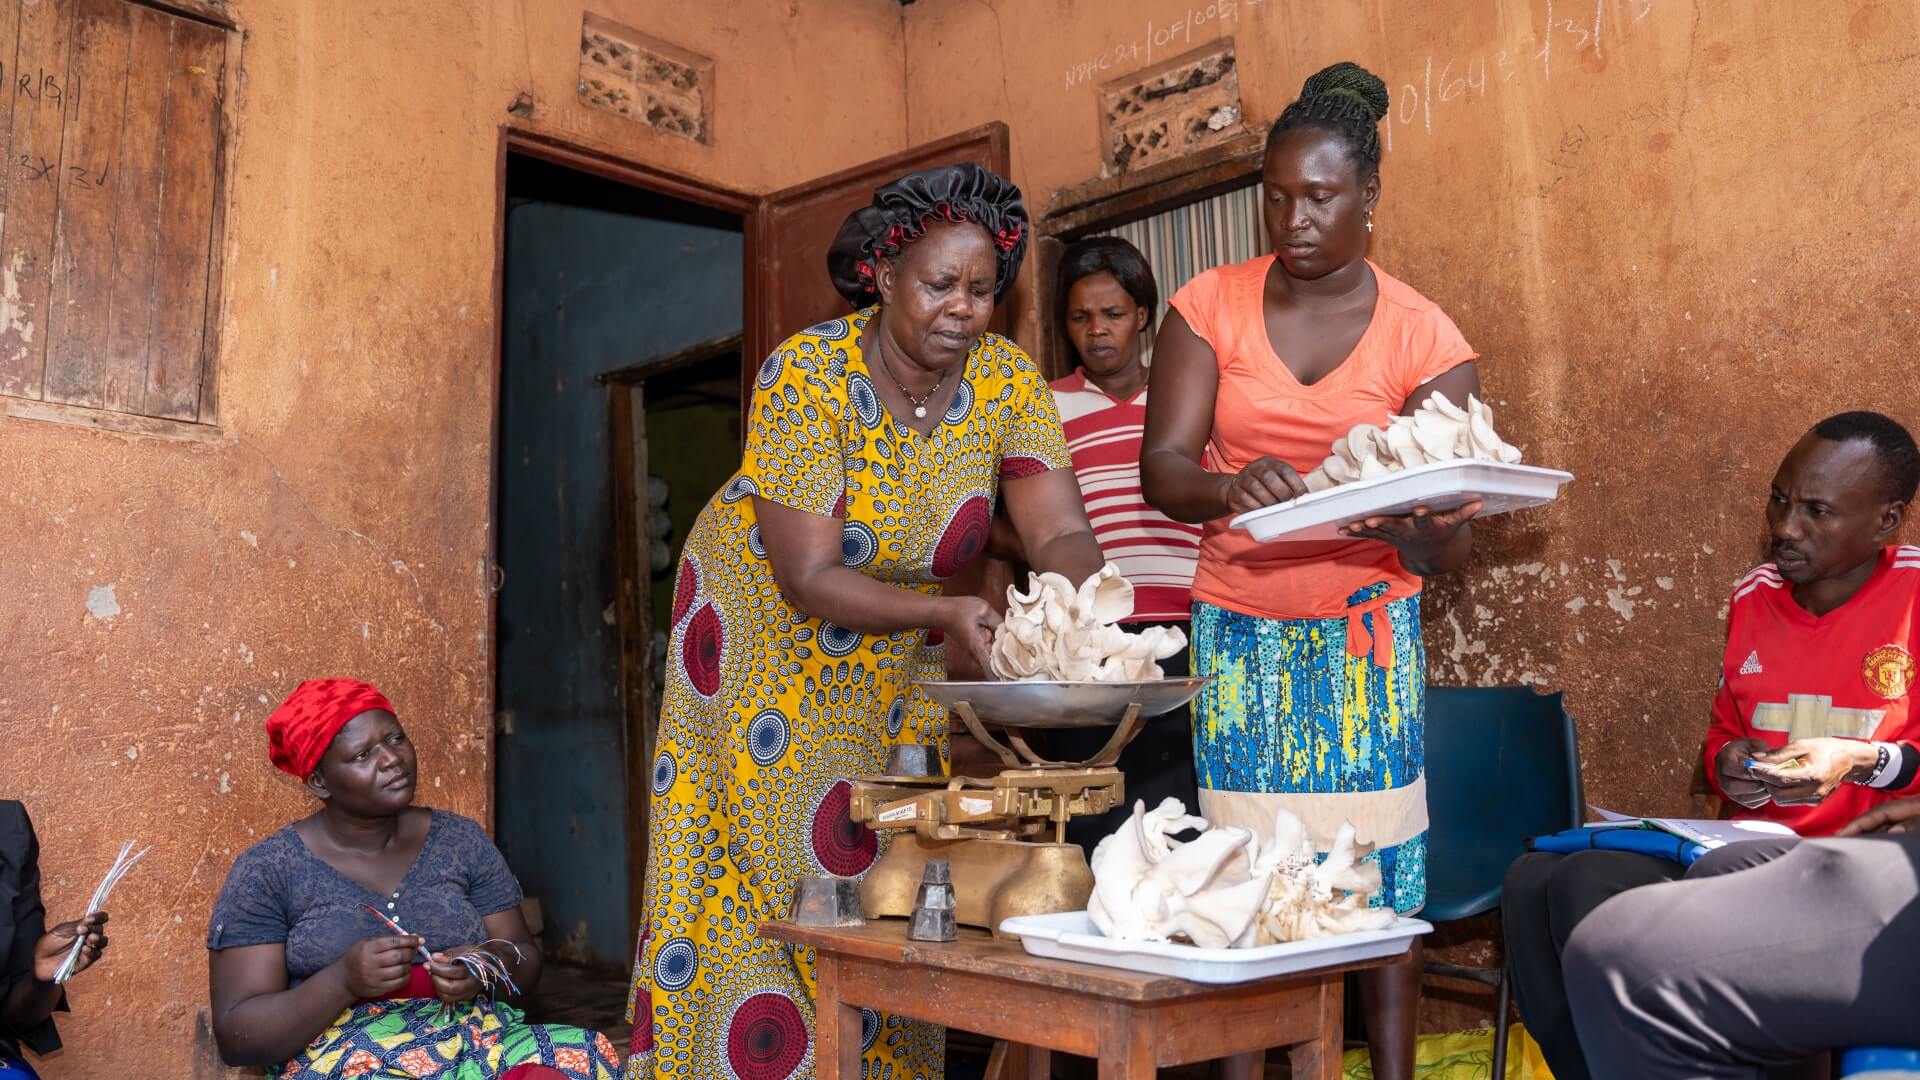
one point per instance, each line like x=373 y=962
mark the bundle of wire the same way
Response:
x=485 y=965
x=121 y=864
x=490 y=969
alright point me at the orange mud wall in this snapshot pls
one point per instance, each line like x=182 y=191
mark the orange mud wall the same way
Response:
x=1676 y=232
x=1679 y=233
x=339 y=522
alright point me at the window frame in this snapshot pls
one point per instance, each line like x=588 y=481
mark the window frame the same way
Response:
x=205 y=427
x=1111 y=202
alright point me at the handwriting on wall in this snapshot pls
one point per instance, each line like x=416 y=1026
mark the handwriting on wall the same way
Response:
x=57 y=90
x=1571 y=28
x=32 y=168
x=41 y=84
x=1162 y=38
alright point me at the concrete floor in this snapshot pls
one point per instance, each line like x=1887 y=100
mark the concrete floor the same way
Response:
x=583 y=997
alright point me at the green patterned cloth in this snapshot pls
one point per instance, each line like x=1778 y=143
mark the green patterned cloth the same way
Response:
x=480 y=1040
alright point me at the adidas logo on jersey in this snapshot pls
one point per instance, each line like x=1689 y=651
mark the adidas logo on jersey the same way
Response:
x=1752 y=666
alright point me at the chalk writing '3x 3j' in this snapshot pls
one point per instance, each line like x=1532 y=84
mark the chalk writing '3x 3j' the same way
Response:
x=42 y=85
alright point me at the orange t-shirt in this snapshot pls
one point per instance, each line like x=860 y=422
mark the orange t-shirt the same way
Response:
x=1261 y=409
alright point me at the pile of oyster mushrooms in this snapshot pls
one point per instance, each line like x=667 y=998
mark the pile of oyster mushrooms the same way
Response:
x=1438 y=430
x=1223 y=890
x=1055 y=631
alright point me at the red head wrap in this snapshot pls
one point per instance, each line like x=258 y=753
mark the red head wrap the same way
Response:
x=301 y=729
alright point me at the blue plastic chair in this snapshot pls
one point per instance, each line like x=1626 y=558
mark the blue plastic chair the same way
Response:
x=1875 y=1062
x=1503 y=765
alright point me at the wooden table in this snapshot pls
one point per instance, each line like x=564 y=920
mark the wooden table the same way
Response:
x=1132 y=1022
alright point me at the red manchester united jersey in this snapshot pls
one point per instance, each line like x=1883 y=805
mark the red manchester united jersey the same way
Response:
x=1790 y=674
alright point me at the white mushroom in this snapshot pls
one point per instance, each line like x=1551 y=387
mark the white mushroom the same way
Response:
x=1312 y=896
x=1485 y=443
x=1439 y=437
x=1055 y=631
x=1147 y=886
x=1218 y=891
x=1404 y=451
x=1438 y=430
x=1106 y=597
x=1444 y=405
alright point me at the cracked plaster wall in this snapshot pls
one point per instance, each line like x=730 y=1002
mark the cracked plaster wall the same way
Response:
x=160 y=597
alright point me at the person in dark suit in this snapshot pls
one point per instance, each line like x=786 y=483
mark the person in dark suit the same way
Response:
x=30 y=954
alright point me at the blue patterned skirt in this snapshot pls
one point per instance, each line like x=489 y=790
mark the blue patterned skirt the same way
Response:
x=1323 y=718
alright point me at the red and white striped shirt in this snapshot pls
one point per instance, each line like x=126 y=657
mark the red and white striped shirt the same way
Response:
x=1154 y=552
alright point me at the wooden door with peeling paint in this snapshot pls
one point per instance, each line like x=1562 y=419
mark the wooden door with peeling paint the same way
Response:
x=109 y=210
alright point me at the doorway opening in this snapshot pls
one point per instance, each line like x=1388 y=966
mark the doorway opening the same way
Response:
x=605 y=283
x=627 y=341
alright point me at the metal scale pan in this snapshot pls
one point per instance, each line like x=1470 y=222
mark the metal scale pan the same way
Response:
x=1042 y=703
x=1016 y=706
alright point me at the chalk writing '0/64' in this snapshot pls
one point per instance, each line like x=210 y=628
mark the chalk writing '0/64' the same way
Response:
x=32 y=168
x=1448 y=79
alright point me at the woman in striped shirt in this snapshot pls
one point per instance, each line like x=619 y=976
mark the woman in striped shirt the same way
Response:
x=1105 y=303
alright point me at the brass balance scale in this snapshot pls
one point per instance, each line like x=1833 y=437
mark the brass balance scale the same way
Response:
x=1004 y=836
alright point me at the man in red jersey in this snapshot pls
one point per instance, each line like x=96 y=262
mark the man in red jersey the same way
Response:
x=1834 y=614
x=1811 y=726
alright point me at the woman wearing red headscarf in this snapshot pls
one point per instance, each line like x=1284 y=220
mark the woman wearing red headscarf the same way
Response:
x=311 y=973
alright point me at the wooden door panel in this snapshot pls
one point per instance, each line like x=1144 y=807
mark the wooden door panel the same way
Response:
x=788 y=237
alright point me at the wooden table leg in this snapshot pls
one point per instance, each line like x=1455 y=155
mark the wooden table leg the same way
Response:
x=1251 y=1065
x=1126 y=1045
x=1320 y=1059
x=836 y=1046
x=1017 y=1061
x=1123 y=1064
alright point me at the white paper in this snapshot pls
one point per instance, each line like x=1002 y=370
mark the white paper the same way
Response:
x=1707 y=832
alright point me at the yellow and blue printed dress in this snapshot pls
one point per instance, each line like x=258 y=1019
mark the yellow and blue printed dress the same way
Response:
x=767 y=712
x=1325 y=718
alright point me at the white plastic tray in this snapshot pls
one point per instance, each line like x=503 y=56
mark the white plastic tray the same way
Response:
x=1441 y=486
x=1071 y=935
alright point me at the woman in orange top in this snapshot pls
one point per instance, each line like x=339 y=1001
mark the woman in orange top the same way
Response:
x=1318 y=673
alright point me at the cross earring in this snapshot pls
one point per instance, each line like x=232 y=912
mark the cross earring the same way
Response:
x=1369 y=221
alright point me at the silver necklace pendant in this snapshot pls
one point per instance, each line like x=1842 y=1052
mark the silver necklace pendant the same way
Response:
x=919 y=404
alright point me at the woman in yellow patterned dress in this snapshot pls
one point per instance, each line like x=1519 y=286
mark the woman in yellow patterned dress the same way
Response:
x=808 y=599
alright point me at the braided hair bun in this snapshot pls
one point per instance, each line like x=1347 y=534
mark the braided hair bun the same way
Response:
x=1346 y=99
